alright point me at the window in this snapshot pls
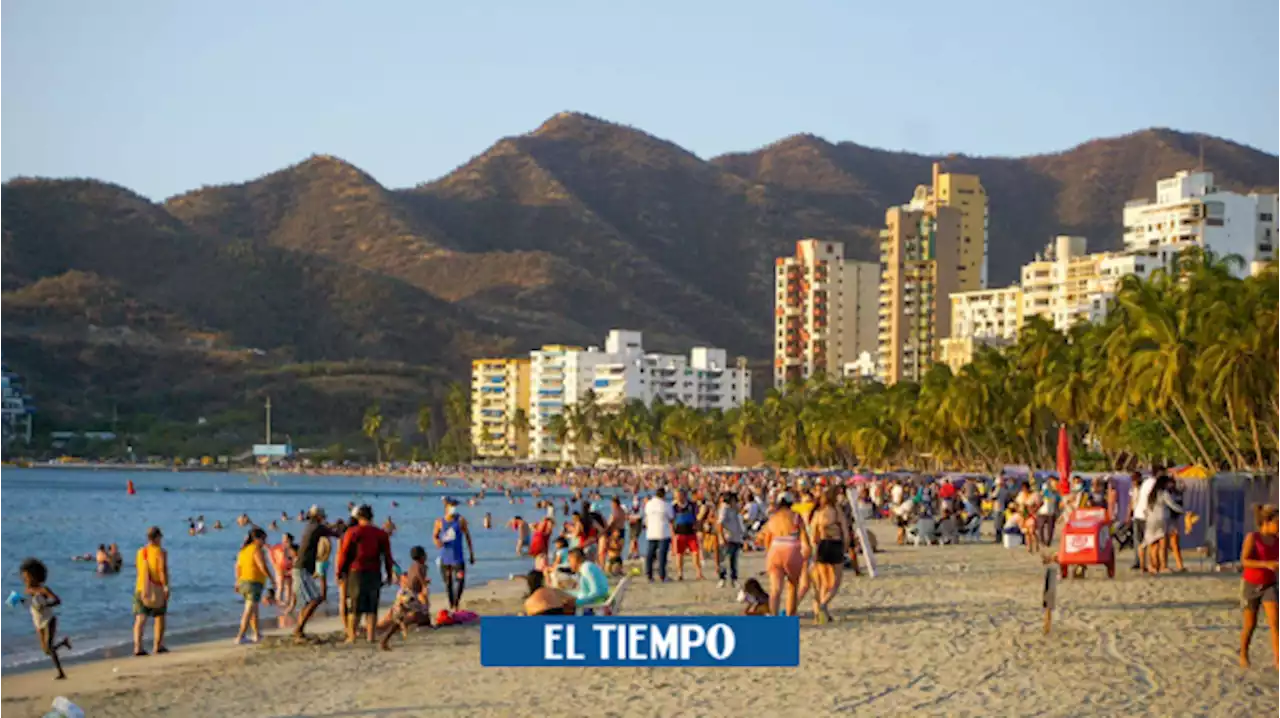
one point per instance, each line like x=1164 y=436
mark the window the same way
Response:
x=1265 y=217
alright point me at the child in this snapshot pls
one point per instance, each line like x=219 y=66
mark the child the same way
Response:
x=755 y=598
x=559 y=562
x=43 y=601
x=1258 y=557
x=412 y=606
x=613 y=553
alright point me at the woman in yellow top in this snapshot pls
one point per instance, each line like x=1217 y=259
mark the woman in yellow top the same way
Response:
x=151 y=595
x=251 y=578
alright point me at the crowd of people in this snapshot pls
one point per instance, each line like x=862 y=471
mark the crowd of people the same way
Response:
x=676 y=524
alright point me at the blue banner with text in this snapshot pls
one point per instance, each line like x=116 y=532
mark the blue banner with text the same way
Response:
x=673 y=641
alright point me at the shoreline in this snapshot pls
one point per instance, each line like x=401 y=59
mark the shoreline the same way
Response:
x=206 y=636
x=951 y=630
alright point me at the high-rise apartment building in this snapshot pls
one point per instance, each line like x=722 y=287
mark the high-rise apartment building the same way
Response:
x=824 y=311
x=561 y=377
x=920 y=260
x=966 y=194
x=1189 y=210
x=1063 y=284
x=499 y=388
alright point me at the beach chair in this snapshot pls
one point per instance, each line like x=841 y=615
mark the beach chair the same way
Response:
x=611 y=606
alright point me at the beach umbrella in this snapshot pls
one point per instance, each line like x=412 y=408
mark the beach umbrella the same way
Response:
x=1064 y=461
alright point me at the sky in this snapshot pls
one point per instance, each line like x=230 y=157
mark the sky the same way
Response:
x=164 y=97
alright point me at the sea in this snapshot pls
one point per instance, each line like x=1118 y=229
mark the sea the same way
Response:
x=57 y=514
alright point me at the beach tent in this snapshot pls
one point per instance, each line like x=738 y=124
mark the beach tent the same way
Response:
x=1233 y=497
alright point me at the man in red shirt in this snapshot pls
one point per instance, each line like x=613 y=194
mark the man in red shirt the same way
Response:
x=364 y=551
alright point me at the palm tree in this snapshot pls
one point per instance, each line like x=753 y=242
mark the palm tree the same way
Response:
x=520 y=425
x=424 y=425
x=372 y=427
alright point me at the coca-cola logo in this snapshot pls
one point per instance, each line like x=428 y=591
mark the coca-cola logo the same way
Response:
x=1078 y=543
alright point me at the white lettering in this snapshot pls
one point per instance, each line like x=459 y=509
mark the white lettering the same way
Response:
x=604 y=630
x=550 y=637
x=635 y=636
x=691 y=636
x=663 y=644
x=571 y=645
x=721 y=641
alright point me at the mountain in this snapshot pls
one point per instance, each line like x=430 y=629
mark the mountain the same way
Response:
x=1080 y=191
x=557 y=235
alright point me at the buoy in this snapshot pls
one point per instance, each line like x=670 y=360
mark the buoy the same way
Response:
x=129 y=488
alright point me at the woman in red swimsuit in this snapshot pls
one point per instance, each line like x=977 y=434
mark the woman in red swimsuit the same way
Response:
x=1258 y=556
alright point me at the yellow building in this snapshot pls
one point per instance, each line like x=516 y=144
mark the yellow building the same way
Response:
x=966 y=194
x=500 y=394
x=919 y=269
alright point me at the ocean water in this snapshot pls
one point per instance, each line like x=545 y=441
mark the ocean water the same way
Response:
x=54 y=514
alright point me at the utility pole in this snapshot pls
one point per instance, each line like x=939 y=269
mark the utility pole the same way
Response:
x=268 y=420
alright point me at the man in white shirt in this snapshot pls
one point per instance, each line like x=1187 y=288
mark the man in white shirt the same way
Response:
x=658 y=529
x=1142 y=494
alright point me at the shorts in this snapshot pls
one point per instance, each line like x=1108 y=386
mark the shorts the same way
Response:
x=1252 y=595
x=251 y=590
x=322 y=568
x=686 y=543
x=305 y=588
x=141 y=610
x=363 y=588
x=830 y=551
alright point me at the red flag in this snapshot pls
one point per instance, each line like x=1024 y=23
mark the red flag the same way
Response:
x=1064 y=461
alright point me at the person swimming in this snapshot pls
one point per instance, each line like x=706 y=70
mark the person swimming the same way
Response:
x=488 y=520
x=104 y=560
x=217 y=525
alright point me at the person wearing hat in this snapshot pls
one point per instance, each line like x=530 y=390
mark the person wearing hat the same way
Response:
x=306 y=590
x=151 y=597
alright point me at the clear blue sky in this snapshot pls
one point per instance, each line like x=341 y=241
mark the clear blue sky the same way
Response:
x=166 y=96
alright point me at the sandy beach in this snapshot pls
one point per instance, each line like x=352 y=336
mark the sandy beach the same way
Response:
x=943 y=630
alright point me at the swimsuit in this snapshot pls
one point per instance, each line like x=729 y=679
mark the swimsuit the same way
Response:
x=785 y=555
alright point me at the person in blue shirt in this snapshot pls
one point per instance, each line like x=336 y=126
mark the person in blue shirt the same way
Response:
x=593 y=584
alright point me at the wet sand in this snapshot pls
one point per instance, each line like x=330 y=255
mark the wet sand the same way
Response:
x=943 y=630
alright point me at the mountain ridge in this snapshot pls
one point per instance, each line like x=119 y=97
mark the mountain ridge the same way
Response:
x=556 y=235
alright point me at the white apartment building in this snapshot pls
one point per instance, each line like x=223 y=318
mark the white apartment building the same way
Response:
x=987 y=313
x=1189 y=210
x=825 y=310
x=547 y=381
x=561 y=376
x=16 y=408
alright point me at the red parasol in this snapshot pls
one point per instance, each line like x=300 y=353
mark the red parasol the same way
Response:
x=1064 y=461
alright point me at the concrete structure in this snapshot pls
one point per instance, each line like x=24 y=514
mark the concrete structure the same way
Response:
x=562 y=376
x=955 y=352
x=16 y=408
x=920 y=261
x=987 y=313
x=1063 y=284
x=861 y=369
x=1189 y=210
x=965 y=193
x=499 y=389
x=547 y=381
x=824 y=311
